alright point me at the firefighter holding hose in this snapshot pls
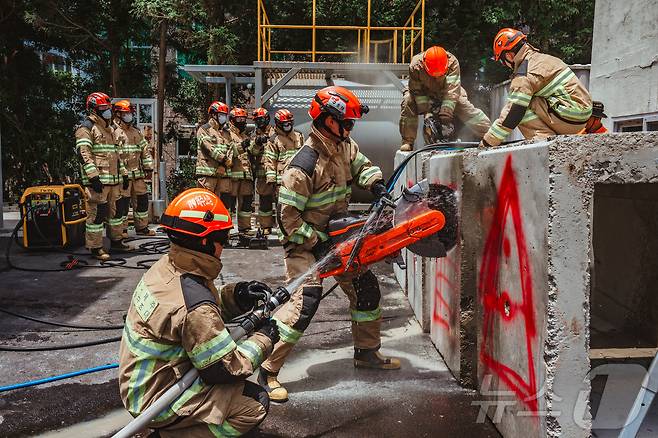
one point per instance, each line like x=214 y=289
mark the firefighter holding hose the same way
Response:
x=176 y=321
x=315 y=186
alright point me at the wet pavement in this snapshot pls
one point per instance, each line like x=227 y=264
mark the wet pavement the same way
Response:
x=328 y=396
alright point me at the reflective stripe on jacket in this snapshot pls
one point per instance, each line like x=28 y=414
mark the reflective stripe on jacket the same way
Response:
x=98 y=152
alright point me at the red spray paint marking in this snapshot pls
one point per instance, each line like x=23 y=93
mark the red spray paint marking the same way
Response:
x=442 y=283
x=496 y=301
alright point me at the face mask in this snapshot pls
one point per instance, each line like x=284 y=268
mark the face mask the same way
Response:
x=286 y=127
x=221 y=119
x=261 y=122
x=127 y=118
x=107 y=114
x=241 y=126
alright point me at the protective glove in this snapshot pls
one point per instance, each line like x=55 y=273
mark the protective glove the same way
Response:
x=245 y=143
x=447 y=129
x=126 y=182
x=96 y=184
x=149 y=175
x=248 y=293
x=261 y=140
x=270 y=330
x=378 y=189
x=321 y=249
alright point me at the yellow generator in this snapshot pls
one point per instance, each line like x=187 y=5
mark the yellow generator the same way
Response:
x=53 y=216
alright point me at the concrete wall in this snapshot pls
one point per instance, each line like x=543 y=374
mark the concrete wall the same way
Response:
x=519 y=280
x=624 y=71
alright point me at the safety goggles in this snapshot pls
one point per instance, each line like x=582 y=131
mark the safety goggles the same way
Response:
x=347 y=124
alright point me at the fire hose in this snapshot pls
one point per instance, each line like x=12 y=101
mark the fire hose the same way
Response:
x=247 y=325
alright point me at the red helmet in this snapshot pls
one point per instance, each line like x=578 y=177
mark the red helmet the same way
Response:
x=98 y=101
x=196 y=212
x=283 y=116
x=340 y=102
x=507 y=40
x=217 y=107
x=237 y=112
x=436 y=61
x=260 y=112
x=123 y=106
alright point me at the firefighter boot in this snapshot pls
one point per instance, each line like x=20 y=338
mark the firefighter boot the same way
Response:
x=100 y=254
x=406 y=147
x=271 y=384
x=372 y=358
x=120 y=246
x=146 y=231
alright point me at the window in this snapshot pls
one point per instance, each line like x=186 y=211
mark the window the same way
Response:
x=645 y=122
x=183 y=145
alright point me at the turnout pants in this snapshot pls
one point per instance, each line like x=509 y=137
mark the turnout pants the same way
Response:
x=101 y=210
x=216 y=185
x=473 y=118
x=265 y=192
x=226 y=411
x=136 y=195
x=242 y=191
x=539 y=121
x=293 y=318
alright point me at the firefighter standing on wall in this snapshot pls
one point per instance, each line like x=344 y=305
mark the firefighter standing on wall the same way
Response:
x=215 y=153
x=315 y=186
x=102 y=174
x=176 y=322
x=545 y=97
x=242 y=181
x=435 y=87
x=136 y=157
x=594 y=125
x=282 y=146
x=259 y=141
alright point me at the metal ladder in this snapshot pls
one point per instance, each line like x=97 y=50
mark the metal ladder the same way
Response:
x=642 y=402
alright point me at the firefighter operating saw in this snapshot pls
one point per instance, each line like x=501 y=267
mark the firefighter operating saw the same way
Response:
x=423 y=220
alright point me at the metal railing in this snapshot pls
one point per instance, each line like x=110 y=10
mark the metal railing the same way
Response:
x=403 y=42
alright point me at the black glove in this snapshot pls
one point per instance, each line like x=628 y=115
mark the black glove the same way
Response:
x=247 y=294
x=245 y=143
x=379 y=190
x=447 y=129
x=261 y=140
x=126 y=182
x=321 y=249
x=96 y=184
x=270 y=330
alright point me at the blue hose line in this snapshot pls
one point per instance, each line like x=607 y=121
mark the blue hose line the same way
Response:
x=59 y=377
x=397 y=172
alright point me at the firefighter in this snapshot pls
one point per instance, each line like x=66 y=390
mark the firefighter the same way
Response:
x=242 y=181
x=315 y=186
x=259 y=143
x=176 y=322
x=594 y=125
x=435 y=90
x=136 y=156
x=283 y=145
x=103 y=175
x=545 y=97
x=215 y=153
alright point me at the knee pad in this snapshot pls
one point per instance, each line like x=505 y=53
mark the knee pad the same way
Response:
x=257 y=393
x=102 y=210
x=267 y=200
x=123 y=205
x=143 y=202
x=227 y=200
x=367 y=291
x=247 y=202
x=310 y=301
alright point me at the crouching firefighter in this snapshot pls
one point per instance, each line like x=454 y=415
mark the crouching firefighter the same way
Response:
x=176 y=321
x=315 y=186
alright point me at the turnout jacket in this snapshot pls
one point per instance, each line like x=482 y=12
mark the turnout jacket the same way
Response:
x=428 y=90
x=317 y=184
x=257 y=152
x=97 y=152
x=133 y=149
x=279 y=151
x=241 y=168
x=538 y=75
x=215 y=153
x=176 y=322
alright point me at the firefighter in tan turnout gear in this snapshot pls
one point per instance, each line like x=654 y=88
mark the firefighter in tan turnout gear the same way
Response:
x=136 y=157
x=282 y=146
x=176 y=322
x=242 y=180
x=215 y=153
x=545 y=97
x=435 y=90
x=315 y=186
x=102 y=174
x=259 y=143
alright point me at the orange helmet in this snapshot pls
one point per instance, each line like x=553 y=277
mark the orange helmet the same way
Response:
x=217 y=107
x=507 y=40
x=196 y=213
x=284 y=115
x=98 y=101
x=340 y=102
x=237 y=112
x=436 y=61
x=123 y=106
x=260 y=112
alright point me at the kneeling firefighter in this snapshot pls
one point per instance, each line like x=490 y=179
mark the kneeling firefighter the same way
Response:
x=176 y=322
x=315 y=186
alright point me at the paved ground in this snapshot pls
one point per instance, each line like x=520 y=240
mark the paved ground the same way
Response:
x=328 y=396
